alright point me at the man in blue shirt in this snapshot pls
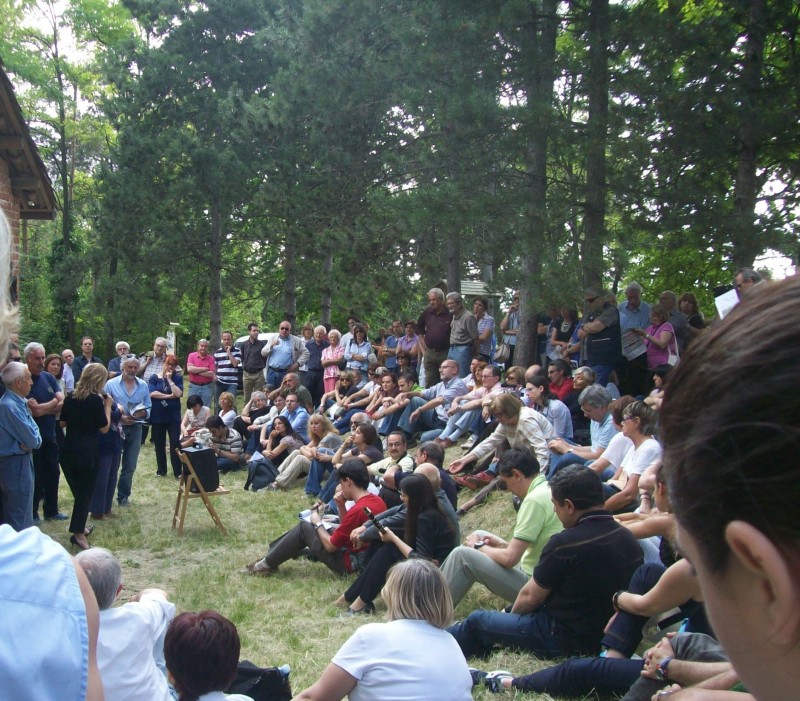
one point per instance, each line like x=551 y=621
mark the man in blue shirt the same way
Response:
x=44 y=400
x=297 y=415
x=634 y=314
x=19 y=437
x=132 y=397
x=284 y=353
x=87 y=356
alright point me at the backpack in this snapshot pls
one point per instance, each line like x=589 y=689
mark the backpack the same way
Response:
x=260 y=473
x=261 y=684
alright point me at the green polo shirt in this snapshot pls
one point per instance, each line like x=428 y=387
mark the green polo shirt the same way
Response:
x=536 y=523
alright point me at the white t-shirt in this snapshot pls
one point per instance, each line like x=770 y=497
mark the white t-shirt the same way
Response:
x=130 y=647
x=619 y=446
x=638 y=460
x=405 y=661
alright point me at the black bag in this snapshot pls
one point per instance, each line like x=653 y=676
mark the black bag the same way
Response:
x=270 y=684
x=204 y=462
x=260 y=473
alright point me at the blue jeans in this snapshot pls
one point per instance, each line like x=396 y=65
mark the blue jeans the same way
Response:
x=206 y=392
x=316 y=473
x=579 y=677
x=463 y=356
x=224 y=465
x=603 y=373
x=426 y=420
x=557 y=462
x=459 y=424
x=479 y=632
x=221 y=387
x=131 y=443
x=275 y=377
x=16 y=483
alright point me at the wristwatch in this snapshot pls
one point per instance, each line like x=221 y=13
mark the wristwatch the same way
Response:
x=662 y=669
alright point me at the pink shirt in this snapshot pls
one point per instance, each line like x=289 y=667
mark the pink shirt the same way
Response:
x=206 y=363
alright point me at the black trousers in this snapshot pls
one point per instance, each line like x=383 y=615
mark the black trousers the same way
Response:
x=292 y=543
x=46 y=473
x=379 y=560
x=160 y=433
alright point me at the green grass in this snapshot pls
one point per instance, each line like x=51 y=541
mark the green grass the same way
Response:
x=288 y=618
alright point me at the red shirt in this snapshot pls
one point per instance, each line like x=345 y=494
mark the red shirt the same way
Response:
x=563 y=389
x=207 y=363
x=354 y=518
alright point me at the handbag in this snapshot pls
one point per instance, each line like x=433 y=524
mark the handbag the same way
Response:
x=261 y=684
x=260 y=473
x=503 y=353
x=673 y=358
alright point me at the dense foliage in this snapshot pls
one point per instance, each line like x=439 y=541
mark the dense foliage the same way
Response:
x=218 y=163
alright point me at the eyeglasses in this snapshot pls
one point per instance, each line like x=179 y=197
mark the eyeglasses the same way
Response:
x=628 y=417
x=355 y=424
x=285 y=328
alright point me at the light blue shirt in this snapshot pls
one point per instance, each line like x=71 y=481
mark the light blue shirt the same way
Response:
x=448 y=391
x=280 y=356
x=557 y=413
x=634 y=318
x=119 y=393
x=299 y=420
x=19 y=433
x=602 y=433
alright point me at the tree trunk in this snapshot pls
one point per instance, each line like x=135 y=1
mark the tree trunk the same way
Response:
x=745 y=244
x=326 y=293
x=290 y=282
x=541 y=49
x=454 y=262
x=215 y=268
x=597 y=133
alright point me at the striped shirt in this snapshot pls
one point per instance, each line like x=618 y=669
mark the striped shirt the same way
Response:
x=227 y=374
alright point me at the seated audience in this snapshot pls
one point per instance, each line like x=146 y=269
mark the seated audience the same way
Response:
x=202 y=655
x=565 y=606
x=334 y=550
x=503 y=566
x=226 y=444
x=731 y=449
x=425 y=533
x=537 y=391
x=130 y=644
x=325 y=440
x=194 y=419
x=410 y=657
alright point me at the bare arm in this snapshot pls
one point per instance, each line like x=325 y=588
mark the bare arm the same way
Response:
x=676 y=586
x=530 y=597
x=333 y=685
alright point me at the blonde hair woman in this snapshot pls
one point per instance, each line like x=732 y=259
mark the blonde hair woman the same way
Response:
x=85 y=412
x=409 y=657
x=324 y=441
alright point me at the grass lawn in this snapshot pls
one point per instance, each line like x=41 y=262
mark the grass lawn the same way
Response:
x=288 y=618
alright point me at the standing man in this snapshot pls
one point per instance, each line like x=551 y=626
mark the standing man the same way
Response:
x=253 y=362
x=122 y=348
x=69 y=379
x=745 y=280
x=284 y=353
x=202 y=372
x=44 y=401
x=464 y=341
x=485 y=329
x=314 y=369
x=87 y=356
x=389 y=349
x=227 y=359
x=509 y=326
x=132 y=397
x=601 y=335
x=19 y=436
x=433 y=329
x=153 y=363
x=634 y=314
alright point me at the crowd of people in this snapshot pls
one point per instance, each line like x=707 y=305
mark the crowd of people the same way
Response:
x=625 y=458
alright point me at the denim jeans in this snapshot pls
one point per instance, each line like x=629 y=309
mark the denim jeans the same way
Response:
x=316 y=474
x=580 y=677
x=205 y=392
x=479 y=632
x=275 y=377
x=16 y=484
x=463 y=356
x=131 y=444
x=426 y=421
